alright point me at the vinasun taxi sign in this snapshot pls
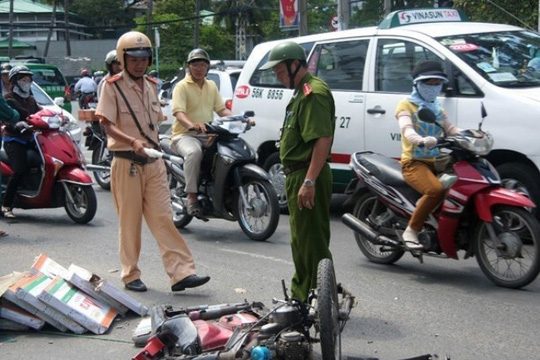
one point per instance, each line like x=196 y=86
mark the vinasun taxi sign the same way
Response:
x=416 y=16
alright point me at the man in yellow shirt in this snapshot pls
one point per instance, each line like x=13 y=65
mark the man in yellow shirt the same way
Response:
x=194 y=101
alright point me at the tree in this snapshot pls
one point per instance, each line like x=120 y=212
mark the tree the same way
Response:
x=522 y=13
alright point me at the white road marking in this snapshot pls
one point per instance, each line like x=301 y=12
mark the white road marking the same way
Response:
x=258 y=256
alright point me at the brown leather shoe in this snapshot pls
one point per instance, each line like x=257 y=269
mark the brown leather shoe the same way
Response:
x=190 y=282
x=136 y=285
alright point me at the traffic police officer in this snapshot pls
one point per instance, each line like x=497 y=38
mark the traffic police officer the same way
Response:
x=305 y=144
x=129 y=110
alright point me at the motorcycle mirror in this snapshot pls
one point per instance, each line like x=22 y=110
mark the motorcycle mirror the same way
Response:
x=483 y=113
x=249 y=113
x=426 y=115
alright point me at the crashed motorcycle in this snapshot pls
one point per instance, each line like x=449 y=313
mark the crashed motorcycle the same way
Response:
x=231 y=184
x=288 y=331
x=56 y=175
x=478 y=215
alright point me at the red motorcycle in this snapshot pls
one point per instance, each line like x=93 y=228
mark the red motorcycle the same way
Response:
x=478 y=215
x=56 y=175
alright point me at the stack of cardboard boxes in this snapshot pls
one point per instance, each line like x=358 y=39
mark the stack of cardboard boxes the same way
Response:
x=72 y=299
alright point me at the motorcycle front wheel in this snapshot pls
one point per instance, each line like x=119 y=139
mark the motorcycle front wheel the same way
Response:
x=80 y=202
x=328 y=311
x=101 y=156
x=369 y=207
x=258 y=212
x=515 y=261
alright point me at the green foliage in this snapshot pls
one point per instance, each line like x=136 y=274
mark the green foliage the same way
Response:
x=526 y=11
x=102 y=16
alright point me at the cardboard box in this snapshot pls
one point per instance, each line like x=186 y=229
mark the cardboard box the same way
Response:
x=102 y=290
x=88 y=115
x=90 y=283
x=9 y=325
x=87 y=311
x=27 y=291
x=14 y=313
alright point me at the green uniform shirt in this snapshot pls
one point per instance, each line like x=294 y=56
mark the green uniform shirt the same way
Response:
x=311 y=101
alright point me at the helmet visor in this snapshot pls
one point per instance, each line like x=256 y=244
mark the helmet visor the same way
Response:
x=270 y=64
x=139 y=52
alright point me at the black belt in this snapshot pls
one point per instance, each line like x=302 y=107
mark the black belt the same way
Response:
x=295 y=167
x=130 y=155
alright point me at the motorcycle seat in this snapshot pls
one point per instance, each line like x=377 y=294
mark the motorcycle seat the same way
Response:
x=387 y=170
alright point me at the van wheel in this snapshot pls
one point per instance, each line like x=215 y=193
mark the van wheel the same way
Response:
x=277 y=178
x=519 y=177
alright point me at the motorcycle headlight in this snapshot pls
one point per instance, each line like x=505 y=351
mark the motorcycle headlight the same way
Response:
x=54 y=121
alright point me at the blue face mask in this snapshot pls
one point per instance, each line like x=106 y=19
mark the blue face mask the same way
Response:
x=428 y=92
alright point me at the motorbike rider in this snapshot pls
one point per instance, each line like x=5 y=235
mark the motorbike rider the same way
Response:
x=113 y=67
x=85 y=86
x=16 y=140
x=418 y=140
x=130 y=113
x=6 y=67
x=194 y=100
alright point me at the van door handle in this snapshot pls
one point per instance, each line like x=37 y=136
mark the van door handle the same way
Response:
x=376 y=110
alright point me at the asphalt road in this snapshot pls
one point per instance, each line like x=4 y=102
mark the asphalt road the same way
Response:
x=440 y=307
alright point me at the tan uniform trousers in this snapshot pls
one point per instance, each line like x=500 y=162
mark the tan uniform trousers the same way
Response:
x=146 y=193
x=191 y=150
x=421 y=177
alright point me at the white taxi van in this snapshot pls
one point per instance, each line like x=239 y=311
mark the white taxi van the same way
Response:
x=368 y=71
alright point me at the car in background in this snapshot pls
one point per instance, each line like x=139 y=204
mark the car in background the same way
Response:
x=45 y=101
x=50 y=79
x=225 y=80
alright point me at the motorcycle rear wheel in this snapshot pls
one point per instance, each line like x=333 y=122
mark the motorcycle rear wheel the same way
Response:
x=516 y=262
x=179 y=207
x=84 y=207
x=328 y=311
x=369 y=206
x=101 y=156
x=258 y=217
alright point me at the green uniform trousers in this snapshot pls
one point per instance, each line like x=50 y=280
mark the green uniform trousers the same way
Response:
x=310 y=230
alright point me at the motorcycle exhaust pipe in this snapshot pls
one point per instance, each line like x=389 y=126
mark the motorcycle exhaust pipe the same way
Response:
x=93 y=167
x=361 y=227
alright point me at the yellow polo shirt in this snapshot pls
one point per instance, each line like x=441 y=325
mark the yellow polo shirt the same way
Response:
x=199 y=103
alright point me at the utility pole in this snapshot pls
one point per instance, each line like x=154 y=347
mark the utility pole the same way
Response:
x=66 y=21
x=197 y=23
x=10 y=42
x=49 y=35
x=387 y=7
x=149 y=10
x=344 y=14
x=302 y=12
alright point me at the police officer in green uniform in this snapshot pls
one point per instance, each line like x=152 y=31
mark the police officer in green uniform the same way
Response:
x=305 y=143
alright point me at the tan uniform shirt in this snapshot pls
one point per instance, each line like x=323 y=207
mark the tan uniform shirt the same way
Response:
x=143 y=102
x=199 y=103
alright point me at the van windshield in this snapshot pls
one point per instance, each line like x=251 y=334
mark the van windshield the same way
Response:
x=508 y=59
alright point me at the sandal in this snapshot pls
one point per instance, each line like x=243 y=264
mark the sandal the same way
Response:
x=8 y=213
x=194 y=209
x=3 y=233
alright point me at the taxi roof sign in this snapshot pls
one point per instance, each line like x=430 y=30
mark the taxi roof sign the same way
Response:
x=419 y=16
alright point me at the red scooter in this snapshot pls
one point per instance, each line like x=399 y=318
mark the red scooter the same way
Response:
x=478 y=215
x=56 y=175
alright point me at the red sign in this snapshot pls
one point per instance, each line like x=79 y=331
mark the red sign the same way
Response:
x=242 y=92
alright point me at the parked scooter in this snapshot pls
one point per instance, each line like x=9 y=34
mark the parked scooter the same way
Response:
x=478 y=215
x=231 y=184
x=56 y=175
x=96 y=141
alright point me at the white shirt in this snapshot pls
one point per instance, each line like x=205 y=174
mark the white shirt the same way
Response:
x=86 y=85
